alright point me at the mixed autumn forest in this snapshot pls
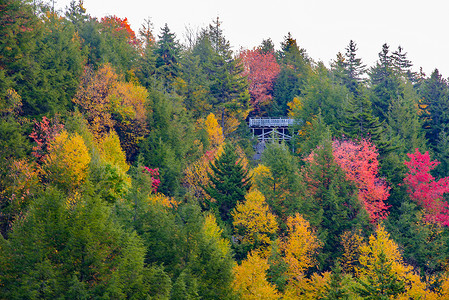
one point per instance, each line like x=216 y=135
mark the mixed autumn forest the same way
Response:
x=127 y=167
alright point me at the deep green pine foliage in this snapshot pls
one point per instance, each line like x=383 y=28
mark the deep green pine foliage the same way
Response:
x=167 y=56
x=295 y=69
x=283 y=190
x=146 y=66
x=229 y=183
x=384 y=285
x=403 y=66
x=385 y=83
x=336 y=289
x=435 y=93
x=361 y=123
x=354 y=69
x=77 y=248
x=332 y=205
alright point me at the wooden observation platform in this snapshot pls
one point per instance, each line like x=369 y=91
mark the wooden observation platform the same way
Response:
x=265 y=128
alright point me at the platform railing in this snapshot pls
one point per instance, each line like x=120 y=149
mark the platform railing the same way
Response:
x=270 y=122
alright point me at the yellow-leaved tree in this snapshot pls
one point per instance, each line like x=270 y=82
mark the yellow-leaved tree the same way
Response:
x=351 y=242
x=129 y=107
x=300 y=248
x=214 y=131
x=92 y=98
x=250 y=279
x=67 y=162
x=382 y=270
x=111 y=151
x=253 y=221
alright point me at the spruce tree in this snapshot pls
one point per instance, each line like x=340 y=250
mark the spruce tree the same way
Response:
x=333 y=206
x=360 y=122
x=384 y=82
x=384 y=285
x=229 y=183
x=167 y=56
x=353 y=68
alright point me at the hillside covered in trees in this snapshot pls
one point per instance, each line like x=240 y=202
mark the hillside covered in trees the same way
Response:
x=127 y=170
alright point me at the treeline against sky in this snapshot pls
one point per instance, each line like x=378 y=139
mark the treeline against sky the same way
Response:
x=127 y=170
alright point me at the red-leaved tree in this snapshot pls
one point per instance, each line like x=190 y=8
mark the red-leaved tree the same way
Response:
x=121 y=27
x=261 y=70
x=422 y=187
x=359 y=162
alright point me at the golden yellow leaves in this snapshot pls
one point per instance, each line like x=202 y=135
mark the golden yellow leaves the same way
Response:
x=300 y=247
x=67 y=161
x=254 y=221
x=213 y=232
x=250 y=279
x=111 y=151
x=214 y=131
x=294 y=106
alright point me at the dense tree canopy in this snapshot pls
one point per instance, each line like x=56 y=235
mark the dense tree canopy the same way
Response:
x=127 y=169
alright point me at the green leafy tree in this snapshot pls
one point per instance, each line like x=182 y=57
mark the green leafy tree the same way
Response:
x=63 y=247
x=229 y=183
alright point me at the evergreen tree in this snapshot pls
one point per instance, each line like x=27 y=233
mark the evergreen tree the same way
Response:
x=167 y=53
x=435 y=93
x=403 y=66
x=353 y=68
x=229 y=183
x=384 y=82
x=384 y=285
x=295 y=69
x=146 y=66
x=332 y=204
x=282 y=188
x=360 y=122
x=336 y=288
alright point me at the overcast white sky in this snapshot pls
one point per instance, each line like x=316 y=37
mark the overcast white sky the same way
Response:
x=322 y=27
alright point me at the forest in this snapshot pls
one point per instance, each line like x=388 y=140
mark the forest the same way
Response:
x=127 y=167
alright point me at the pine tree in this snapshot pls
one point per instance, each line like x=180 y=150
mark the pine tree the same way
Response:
x=229 y=183
x=360 y=122
x=384 y=284
x=385 y=83
x=353 y=68
x=435 y=93
x=332 y=205
x=167 y=56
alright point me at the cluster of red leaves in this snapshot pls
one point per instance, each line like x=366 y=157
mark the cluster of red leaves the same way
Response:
x=359 y=162
x=422 y=187
x=155 y=181
x=261 y=70
x=121 y=26
x=43 y=134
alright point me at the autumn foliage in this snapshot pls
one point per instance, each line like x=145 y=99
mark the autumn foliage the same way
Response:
x=121 y=27
x=424 y=189
x=359 y=161
x=261 y=70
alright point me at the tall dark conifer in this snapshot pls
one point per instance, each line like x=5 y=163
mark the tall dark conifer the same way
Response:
x=229 y=183
x=167 y=53
x=354 y=69
x=384 y=82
